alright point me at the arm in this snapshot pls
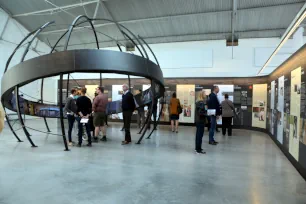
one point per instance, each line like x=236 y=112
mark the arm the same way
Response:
x=78 y=108
x=94 y=104
x=67 y=105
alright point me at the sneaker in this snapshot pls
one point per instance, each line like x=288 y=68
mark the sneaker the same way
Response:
x=96 y=139
x=104 y=139
x=216 y=142
x=212 y=143
x=70 y=144
x=200 y=152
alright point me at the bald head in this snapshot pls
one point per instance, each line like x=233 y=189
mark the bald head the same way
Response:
x=125 y=87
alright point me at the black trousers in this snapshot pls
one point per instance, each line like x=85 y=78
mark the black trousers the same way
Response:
x=127 y=117
x=199 y=136
x=80 y=133
x=71 y=120
x=227 y=124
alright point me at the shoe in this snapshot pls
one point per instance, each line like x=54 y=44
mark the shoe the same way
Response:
x=200 y=152
x=84 y=138
x=212 y=143
x=229 y=135
x=217 y=130
x=125 y=142
x=96 y=139
x=216 y=142
x=70 y=144
x=89 y=145
x=104 y=139
x=223 y=134
x=176 y=131
x=197 y=150
x=79 y=145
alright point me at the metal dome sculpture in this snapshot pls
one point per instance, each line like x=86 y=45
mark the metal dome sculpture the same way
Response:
x=72 y=61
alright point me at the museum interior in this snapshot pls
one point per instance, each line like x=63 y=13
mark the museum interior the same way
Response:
x=153 y=101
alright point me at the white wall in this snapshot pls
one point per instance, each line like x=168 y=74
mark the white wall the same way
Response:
x=214 y=59
x=13 y=33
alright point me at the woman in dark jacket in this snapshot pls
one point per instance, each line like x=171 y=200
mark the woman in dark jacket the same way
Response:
x=200 y=119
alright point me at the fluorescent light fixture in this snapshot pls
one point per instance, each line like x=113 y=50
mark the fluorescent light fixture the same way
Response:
x=290 y=30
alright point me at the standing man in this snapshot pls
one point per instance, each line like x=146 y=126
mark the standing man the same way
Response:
x=128 y=106
x=84 y=109
x=99 y=109
x=71 y=110
x=213 y=103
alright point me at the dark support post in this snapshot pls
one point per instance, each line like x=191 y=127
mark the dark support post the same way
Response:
x=61 y=111
x=100 y=79
x=42 y=101
x=67 y=92
x=129 y=82
x=20 y=117
x=147 y=123
x=10 y=126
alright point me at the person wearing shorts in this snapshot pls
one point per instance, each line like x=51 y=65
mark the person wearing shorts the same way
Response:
x=99 y=111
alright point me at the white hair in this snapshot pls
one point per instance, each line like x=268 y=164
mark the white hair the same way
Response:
x=127 y=86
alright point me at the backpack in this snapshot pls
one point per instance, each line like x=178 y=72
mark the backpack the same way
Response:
x=201 y=110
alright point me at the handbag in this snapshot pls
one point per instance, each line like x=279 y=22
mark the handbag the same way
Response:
x=179 y=108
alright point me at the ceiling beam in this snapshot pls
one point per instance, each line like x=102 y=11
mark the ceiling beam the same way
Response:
x=96 y=12
x=56 y=9
x=234 y=17
x=223 y=34
x=165 y=18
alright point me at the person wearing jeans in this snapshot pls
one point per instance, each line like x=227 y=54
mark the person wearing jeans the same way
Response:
x=200 y=118
x=84 y=110
x=213 y=103
x=71 y=109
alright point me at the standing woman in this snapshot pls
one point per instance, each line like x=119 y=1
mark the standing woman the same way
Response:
x=174 y=104
x=227 y=115
x=200 y=119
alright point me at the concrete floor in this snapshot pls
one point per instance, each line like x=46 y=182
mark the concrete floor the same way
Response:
x=246 y=168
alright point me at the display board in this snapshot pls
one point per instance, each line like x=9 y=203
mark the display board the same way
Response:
x=243 y=105
x=186 y=95
x=224 y=89
x=286 y=121
x=259 y=105
x=295 y=97
x=280 y=109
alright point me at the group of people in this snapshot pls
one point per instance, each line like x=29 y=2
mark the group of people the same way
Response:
x=87 y=114
x=203 y=118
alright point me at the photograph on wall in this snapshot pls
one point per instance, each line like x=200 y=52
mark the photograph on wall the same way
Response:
x=259 y=105
x=280 y=109
x=224 y=89
x=186 y=95
x=295 y=113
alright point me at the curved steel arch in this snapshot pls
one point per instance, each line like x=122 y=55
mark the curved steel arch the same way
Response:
x=67 y=62
x=72 y=26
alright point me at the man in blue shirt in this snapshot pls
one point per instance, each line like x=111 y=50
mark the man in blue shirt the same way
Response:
x=213 y=103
